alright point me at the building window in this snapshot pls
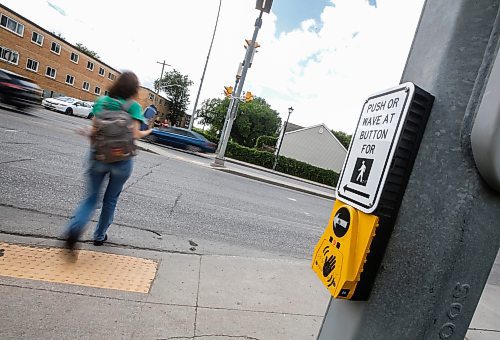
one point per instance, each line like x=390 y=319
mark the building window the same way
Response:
x=70 y=79
x=12 y=25
x=106 y=92
x=111 y=76
x=55 y=47
x=51 y=72
x=97 y=90
x=101 y=71
x=74 y=57
x=9 y=55
x=90 y=65
x=86 y=86
x=37 y=38
x=151 y=96
x=32 y=65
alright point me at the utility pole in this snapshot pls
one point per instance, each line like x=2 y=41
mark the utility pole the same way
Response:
x=263 y=6
x=446 y=235
x=191 y=122
x=160 y=80
x=161 y=75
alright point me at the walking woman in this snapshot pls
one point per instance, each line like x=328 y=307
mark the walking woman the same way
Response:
x=118 y=170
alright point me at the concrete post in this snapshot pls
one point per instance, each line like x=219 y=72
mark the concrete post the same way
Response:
x=447 y=232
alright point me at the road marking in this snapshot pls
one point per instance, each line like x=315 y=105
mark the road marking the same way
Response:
x=292 y=199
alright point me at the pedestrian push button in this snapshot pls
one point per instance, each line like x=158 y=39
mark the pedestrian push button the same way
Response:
x=341 y=252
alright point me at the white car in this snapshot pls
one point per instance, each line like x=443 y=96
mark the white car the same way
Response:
x=68 y=105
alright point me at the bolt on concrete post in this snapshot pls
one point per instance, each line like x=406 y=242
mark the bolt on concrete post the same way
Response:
x=446 y=236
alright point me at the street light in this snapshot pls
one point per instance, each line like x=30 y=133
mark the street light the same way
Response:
x=191 y=122
x=290 y=110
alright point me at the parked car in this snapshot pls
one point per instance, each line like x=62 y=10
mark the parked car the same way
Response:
x=68 y=105
x=91 y=104
x=19 y=91
x=50 y=103
x=181 y=138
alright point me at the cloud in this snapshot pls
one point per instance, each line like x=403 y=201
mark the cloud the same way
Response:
x=323 y=68
x=326 y=74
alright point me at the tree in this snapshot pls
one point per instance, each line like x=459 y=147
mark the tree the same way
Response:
x=254 y=119
x=82 y=48
x=213 y=112
x=343 y=138
x=175 y=85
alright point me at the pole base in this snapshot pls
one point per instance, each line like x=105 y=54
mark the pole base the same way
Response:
x=219 y=162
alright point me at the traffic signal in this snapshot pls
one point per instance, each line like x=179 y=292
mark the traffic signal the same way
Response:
x=248 y=41
x=248 y=97
x=264 y=5
x=228 y=91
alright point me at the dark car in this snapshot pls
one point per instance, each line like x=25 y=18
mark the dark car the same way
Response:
x=181 y=138
x=19 y=91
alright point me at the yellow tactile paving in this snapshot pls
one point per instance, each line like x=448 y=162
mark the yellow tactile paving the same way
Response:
x=92 y=269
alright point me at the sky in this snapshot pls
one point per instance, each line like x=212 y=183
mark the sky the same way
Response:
x=321 y=57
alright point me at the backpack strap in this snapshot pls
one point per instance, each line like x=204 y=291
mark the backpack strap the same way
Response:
x=127 y=105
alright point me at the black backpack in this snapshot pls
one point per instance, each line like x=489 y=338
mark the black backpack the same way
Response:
x=114 y=137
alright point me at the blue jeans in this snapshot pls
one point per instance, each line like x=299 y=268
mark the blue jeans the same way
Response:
x=118 y=172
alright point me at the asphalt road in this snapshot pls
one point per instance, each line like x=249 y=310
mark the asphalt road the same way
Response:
x=168 y=201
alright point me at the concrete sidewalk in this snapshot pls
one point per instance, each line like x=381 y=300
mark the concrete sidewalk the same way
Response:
x=192 y=296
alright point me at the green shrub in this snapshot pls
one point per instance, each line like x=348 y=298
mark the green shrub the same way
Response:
x=265 y=141
x=208 y=134
x=285 y=165
x=300 y=169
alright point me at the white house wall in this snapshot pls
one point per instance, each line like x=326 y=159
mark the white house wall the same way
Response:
x=315 y=148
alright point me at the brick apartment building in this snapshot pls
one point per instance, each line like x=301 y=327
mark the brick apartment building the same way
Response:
x=57 y=66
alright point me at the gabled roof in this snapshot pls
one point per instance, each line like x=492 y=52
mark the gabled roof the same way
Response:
x=316 y=126
x=292 y=127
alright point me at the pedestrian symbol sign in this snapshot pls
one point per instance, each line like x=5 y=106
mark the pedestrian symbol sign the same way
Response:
x=361 y=171
x=372 y=148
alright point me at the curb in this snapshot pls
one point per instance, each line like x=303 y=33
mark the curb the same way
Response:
x=277 y=173
x=274 y=182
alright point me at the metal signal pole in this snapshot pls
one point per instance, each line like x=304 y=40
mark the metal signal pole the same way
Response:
x=233 y=105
